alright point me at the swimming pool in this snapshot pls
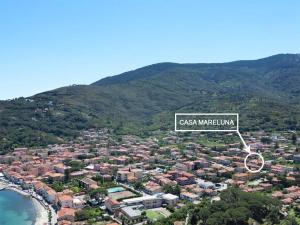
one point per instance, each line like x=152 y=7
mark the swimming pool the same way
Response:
x=115 y=189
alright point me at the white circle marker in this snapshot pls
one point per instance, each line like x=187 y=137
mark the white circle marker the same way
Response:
x=262 y=165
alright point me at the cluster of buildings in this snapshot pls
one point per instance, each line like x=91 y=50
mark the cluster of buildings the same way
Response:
x=151 y=175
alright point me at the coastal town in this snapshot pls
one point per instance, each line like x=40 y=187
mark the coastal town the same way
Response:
x=102 y=178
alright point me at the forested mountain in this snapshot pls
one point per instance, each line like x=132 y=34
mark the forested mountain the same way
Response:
x=266 y=93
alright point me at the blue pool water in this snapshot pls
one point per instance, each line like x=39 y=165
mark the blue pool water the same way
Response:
x=115 y=189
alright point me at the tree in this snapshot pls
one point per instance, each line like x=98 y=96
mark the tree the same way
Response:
x=97 y=192
x=294 y=139
x=138 y=185
x=50 y=216
x=194 y=219
x=266 y=140
x=176 y=190
x=235 y=208
x=203 y=215
x=86 y=214
x=237 y=216
x=230 y=195
x=167 y=188
x=67 y=175
x=216 y=219
x=290 y=220
x=58 y=186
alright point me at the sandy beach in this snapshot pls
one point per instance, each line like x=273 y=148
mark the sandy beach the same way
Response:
x=42 y=213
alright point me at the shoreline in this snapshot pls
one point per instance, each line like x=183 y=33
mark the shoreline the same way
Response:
x=42 y=213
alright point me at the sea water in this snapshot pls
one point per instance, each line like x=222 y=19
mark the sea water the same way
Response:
x=16 y=209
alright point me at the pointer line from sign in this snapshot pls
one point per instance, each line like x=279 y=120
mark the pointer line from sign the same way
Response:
x=246 y=147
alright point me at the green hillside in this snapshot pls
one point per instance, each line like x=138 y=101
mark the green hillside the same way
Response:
x=266 y=93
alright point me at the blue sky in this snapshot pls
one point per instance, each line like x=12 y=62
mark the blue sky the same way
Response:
x=53 y=43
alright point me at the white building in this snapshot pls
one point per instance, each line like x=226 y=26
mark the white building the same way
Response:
x=170 y=199
x=189 y=196
x=148 y=202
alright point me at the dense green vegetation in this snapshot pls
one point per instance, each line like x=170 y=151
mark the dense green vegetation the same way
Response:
x=90 y=214
x=234 y=208
x=265 y=92
x=175 y=190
